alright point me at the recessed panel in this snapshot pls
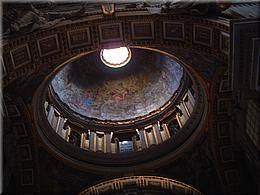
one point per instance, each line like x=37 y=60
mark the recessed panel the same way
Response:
x=173 y=31
x=20 y=130
x=12 y=111
x=27 y=178
x=48 y=45
x=79 y=37
x=142 y=30
x=110 y=32
x=20 y=56
x=224 y=42
x=202 y=35
x=25 y=152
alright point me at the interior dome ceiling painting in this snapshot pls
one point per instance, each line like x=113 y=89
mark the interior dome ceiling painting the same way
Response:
x=93 y=90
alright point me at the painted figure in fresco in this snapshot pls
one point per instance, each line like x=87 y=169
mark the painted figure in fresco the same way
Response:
x=118 y=91
x=119 y=94
x=90 y=96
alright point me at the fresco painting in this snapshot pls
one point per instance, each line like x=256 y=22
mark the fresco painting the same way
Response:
x=115 y=97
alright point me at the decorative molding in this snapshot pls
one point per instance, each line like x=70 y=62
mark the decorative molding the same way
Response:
x=223 y=106
x=25 y=152
x=140 y=183
x=20 y=56
x=110 y=32
x=12 y=111
x=27 y=177
x=20 y=129
x=142 y=30
x=79 y=37
x=227 y=163
x=223 y=129
x=224 y=42
x=202 y=35
x=173 y=30
x=27 y=158
x=227 y=154
x=122 y=31
x=224 y=86
x=232 y=176
x=48 y=45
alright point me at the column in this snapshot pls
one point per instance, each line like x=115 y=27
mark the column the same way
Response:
x=165 y=128
x=179 y=120
x=46 y=104
x=117 y=145
x=67 y=133
x=190 y=103
x=82 y=140
x=157 y=133
x=50 y=114
x=87 y=140
x=192 y=100
x=146 y=138
x=134 y=143
x=54 y=121
x=58 y=124
x=184 y=117
x=63 y=133
x=142 y=139
x=97 y=144
x=150 y=138
x=185 y=106
x=103 y=143
x=92 y=141
x=61 y=125
x=108 y=142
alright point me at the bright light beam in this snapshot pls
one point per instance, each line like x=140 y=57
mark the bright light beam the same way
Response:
x=115 y=58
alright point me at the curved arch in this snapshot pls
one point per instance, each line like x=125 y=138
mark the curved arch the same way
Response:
x=152 y=184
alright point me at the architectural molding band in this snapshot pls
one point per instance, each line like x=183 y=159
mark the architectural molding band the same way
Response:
x=25 y=54
x=147 y=184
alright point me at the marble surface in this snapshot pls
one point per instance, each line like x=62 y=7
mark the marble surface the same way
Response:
x=89 y=88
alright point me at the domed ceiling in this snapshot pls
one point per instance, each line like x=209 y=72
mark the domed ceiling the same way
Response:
x=91 y=89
